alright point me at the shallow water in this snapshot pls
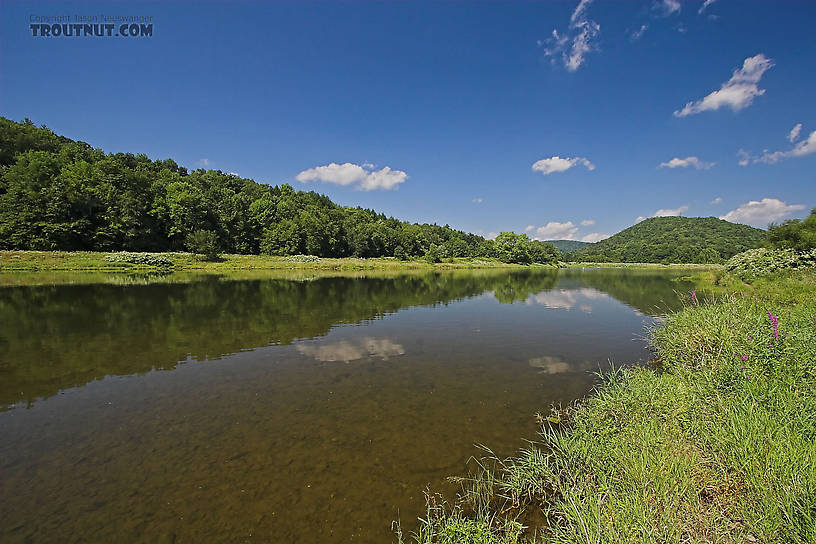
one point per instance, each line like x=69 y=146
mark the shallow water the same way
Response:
x=312 y=409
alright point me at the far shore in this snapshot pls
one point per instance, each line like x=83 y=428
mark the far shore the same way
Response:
x=52 y=261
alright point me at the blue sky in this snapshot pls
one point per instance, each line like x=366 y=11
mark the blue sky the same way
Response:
x=487 y=116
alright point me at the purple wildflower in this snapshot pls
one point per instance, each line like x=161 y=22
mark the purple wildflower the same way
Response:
x=744 y=358
x=774 y=324
x=694 y=297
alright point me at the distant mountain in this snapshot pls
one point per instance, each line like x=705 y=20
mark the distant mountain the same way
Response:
x=565 y=246
x=673 y=240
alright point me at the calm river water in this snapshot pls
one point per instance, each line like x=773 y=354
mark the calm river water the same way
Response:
x=285 y=409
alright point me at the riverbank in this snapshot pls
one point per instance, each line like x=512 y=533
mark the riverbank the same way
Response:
x=180 y=261
x=115 y=262
x=713 y=443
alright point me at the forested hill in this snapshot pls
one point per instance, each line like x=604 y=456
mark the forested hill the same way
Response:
x=61 y=194
x=673 y=240
x=565 y=246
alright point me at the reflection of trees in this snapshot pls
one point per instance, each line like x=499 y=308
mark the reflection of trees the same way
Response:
x=54 y=337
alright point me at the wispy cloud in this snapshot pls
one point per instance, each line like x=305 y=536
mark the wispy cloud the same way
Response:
x=573 y=46
x=638 y=34
x=686 y=163
x=204 y=162
x=559 y=164
x=761 y=212
x=360 y=177
x=800 y=149
x=587 y=222
x=716 y=201
x=737 y=93
x=705 y=5
x=477 y=200
x=667 y=7
x=793 y=135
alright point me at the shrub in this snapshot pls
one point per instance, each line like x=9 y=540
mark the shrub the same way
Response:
x=302 y=259
x=204 y=242
x=150 y=259
x=756 y=263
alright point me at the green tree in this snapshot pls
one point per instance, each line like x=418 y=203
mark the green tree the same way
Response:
x=203 y=242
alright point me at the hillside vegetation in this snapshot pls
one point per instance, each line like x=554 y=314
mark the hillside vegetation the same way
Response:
x=565 y=246
x=61 y=194
x=673 y=240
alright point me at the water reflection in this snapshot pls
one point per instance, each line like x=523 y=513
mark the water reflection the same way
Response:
x=333 y=402
x=60 y=336
x=381 y=348
x=567 y=299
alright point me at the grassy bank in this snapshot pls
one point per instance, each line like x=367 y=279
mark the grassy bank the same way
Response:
x=100 y=261
x=656 y=266
x=714 y=443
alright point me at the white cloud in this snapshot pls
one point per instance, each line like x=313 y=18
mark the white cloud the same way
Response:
x=794 y=133
x=491 y=235
x=667 y=7
x=204 y=162
x=737 y=93
x=595 y=237
x=477 y=200
x=761 y=212
x=361 y=178
x=670 y=212
x=705 y=5
x=638 y=34
x=744 y=157
x=558 y=164
x=665 y=212
x=685 y=163
x=802 y=148
x=556 y=231
x=717 y=200
x=579 y=40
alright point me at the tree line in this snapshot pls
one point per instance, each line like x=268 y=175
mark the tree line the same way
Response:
x=60 y=194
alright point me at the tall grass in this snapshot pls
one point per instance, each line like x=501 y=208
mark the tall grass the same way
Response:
x=715 y=443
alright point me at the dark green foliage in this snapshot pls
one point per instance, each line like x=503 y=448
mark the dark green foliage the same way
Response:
x=59 y=194
x=673 y=240
x=565 y=246
x=434 y=254
x=203 y=242
x=797 y=234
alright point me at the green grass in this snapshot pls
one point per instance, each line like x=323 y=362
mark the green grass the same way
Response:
x=714 y=443
x=95 y=261
x=589 y=264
